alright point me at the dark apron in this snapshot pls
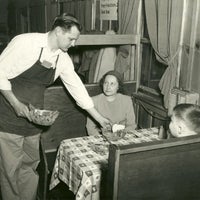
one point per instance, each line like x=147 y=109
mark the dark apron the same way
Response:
x=29 y=88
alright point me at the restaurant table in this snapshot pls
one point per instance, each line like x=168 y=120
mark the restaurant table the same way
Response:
x=79 y=161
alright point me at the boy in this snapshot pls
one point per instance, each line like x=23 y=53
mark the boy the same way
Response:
x=185 y=120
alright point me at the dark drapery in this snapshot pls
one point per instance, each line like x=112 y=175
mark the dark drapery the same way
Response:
x=164 y=22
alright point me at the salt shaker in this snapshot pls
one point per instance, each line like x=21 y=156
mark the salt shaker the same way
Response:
x=161 y=133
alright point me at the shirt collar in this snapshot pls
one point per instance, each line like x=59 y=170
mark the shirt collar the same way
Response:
x=44 y=43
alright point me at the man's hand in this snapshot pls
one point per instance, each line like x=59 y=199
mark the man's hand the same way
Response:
x=105 y=123
x=20 y=108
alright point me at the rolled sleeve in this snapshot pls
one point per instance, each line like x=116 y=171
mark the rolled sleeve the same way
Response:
x=6 y=64
x=75 y=87
x=10 y=62
x=5 y=84
x=19 y=55
x=81 y=96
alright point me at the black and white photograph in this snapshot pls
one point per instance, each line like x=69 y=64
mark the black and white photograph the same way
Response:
x=99 y=100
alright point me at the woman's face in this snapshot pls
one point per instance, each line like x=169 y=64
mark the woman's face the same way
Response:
x=110 y=85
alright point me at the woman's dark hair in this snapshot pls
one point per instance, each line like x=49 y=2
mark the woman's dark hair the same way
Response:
x=66 y=21
x=118 y=77
x=190 y=114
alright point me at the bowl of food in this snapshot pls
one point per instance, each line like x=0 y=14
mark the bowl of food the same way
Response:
x=115 y=134
x=43 y=117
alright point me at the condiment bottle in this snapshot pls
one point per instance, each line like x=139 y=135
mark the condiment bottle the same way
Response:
x=161 y=133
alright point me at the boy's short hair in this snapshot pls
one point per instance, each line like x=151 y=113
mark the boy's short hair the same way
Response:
x=190 y=114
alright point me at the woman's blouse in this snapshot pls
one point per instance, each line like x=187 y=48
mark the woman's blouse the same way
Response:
x=119 y=111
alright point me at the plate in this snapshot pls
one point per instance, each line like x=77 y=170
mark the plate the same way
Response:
x=99 y=148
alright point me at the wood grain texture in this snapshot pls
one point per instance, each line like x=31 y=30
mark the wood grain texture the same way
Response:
x=161 y=170
x=108 y=39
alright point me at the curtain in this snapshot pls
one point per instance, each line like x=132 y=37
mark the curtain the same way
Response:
x=82 y=10
x=128 y=15
x=37 y=18
x=164 y=23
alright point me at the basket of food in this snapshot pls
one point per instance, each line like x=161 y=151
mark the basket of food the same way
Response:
x=43 y=117
x=117 y=132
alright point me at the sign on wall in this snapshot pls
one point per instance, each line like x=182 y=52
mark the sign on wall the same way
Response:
x=108 y=9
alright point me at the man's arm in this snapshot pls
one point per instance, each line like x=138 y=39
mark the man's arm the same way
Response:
x=91 y=127
x=20 y=109
x=104 y=122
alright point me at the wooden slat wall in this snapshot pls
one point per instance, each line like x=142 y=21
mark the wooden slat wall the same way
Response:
x=108 y=39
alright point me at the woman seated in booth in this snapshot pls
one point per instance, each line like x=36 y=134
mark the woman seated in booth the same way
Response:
x=185 y=120
x=112 y=104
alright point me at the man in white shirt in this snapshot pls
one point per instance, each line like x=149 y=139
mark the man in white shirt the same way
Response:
x=28 y=65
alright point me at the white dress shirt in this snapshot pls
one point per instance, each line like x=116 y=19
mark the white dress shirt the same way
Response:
x=24 y=50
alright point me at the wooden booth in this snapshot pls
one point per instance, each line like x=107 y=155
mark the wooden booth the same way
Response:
x=160 y=170
x=157 y=51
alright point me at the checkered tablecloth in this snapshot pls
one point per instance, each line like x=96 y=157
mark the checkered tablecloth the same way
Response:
x=80 y=167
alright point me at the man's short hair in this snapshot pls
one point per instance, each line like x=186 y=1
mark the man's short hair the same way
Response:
x=66 y=21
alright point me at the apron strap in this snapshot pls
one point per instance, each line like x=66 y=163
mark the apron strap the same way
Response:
x=40 y=53
x=56 y=60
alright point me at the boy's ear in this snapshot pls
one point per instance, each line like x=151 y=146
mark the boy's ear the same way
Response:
x=182 y=128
